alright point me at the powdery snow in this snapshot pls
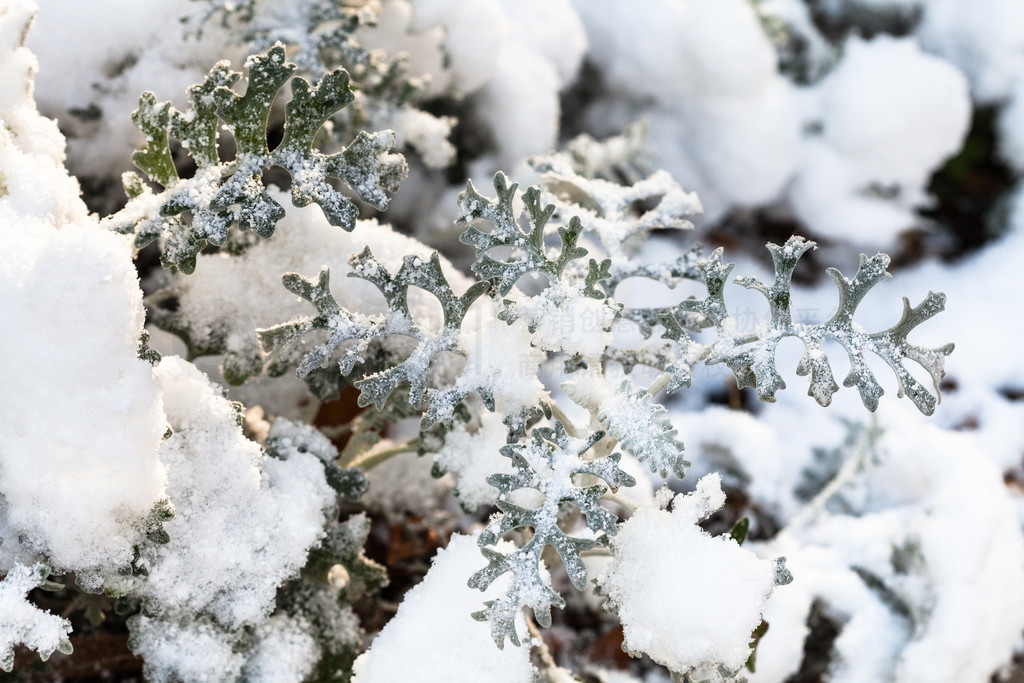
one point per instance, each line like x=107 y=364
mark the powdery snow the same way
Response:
x=188 y=650
x=434 y=636
x=471 y=457
x=285 y=651
x=862 y=182
x=722 y=119
x=935 y=523
x=243 y=522
x=686 y=599
x=79 y=411
x=24 y=624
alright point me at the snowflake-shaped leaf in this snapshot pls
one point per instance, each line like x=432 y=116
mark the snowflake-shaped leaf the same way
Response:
x=343 y=326
x=620 y=216
x=529 y=254
x=222 y=194
x=752 y=357
x=548 y=462
x=643 y=428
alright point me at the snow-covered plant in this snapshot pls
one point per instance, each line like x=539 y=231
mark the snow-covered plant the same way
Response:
x=572 y=313
x=323 y=35
x=532 y=403
x=223 y=194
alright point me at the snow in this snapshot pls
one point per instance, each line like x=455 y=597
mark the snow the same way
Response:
x=79 y=466
x=848 y=154
x=563 y=318
x=1011 y=127
x=522 y=77
x=24 y=624
x=722 y=119
x=726 y=122
x=434 y=635
x=983 y=38
x=499 y=358
x=79 y=498
x=473 y=35
x=541 y=52
x=934 y=494
x=863 y=182
x=104 y=54
x=471 y=457
x=285 y=652
x=427 y=134
x=763 y=457
x=243 y=522
x=686 y=599
x=552 y=29
x=189 y=650
x=33 y=180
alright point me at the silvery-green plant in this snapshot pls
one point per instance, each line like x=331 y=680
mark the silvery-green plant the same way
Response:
x=548 y=263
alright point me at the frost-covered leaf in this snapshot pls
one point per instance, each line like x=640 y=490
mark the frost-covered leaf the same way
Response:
x=669 y=274
x=548 y=462
x=616 y=215
x=620 y=216
x=22 y=623
x=325 y=35
x=529 y=254
x=626 y=156
x=752 y=357
x=191 y=212
x=643 y=428
x=570 y=314
x=287 y=438
x=344 y=326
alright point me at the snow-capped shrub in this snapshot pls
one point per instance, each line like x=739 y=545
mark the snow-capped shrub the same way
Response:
x=236 y=427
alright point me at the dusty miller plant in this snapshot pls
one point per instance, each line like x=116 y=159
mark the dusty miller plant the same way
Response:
x=550 y=259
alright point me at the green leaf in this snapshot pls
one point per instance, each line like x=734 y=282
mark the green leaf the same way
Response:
x=752 y=357
x=739 y=532
x=246 y=115
x=153 y=525
x=193 y=212
x=147 y=352
x=548 y=462
x=755 y=639
x=343 y=326
x=529 y=252
x=153 y=118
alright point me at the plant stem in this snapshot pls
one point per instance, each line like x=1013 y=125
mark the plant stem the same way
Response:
x=371 y=459
x=559 y=415
x=552 y=672
x=624 y=502
x=659 y=383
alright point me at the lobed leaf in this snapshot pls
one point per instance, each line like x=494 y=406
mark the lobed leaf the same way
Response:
x=191 y=213
x=548 y=463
